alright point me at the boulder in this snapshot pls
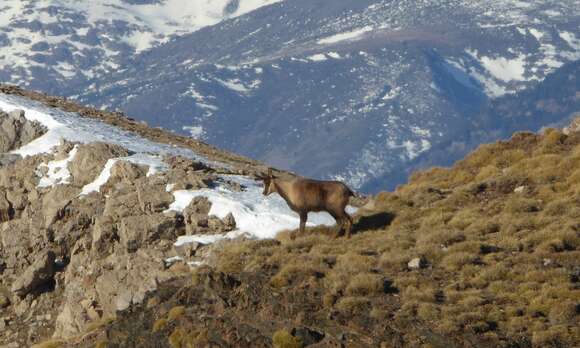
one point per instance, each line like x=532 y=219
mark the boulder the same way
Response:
x=16 y=130
x=197 y=220
x=104 y=235
x=90 y=160
x=39 y=273
x=153 y=197
x=122 y=202
x=217 y=225
x=7 y=159
x=109 y=285
x=55 y=202
x=15 y=238
x=139 y=231
x=6 y=210
x=195 y=215
x=4 y=300
x=127 y=171
x=417 y=263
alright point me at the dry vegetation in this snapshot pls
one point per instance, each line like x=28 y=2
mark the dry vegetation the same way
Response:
x=500 y=235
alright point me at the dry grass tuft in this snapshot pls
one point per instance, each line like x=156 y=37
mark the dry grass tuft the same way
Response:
x=175 y=313
x=159 y=325
x=283 y=339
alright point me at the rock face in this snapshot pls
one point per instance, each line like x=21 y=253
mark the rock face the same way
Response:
x=197 y=220
x=78 y=259
x=90 y=159
x=98 y=253
x=6 y=211
x=16 y=130
x=39 y=273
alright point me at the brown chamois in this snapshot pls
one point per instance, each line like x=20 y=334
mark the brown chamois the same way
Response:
x=306 y=195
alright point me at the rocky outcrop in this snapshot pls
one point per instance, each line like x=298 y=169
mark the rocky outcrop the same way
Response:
x=90 y=160
x=109 y=285
x=6 y=211
x=39 y=273
x=198 y=221
x=16 y=130
x=80 y=259
x=140 y=231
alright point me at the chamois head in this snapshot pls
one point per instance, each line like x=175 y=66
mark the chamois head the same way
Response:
x=268 y=180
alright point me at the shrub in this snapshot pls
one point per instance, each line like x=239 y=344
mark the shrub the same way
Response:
x=456 y=261
x=177 y=338
x=50 y=344
x=102 y=344
x=176 y=313
x=159 y=325
x=352 y=304
x=283 y=339
x=365 y=284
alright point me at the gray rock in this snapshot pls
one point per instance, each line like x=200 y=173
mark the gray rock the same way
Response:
x=39 y=273
x=8 y=158
x=417 y=263
x=16 y=130
x=4 y=300
x=574 y=126
x=187 y=250
x=90 y=160
x=138 y=231
x=6 y=210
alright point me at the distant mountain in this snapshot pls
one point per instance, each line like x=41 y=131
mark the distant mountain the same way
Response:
x=354 y=89
x=554 y=102
x=51 y=44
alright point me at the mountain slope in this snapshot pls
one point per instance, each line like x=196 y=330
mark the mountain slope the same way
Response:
x=483 y=254
x=95 y=209
x=370 y=85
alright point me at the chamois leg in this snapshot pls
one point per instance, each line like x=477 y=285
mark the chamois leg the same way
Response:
x=303 y=217
x=349 y=223
x=339 y=223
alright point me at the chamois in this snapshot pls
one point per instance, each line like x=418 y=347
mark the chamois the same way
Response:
x=306 y=195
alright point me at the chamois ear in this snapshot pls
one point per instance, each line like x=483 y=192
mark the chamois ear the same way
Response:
x=270 y=175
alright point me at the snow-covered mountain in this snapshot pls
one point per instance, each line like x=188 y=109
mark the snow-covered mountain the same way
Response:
x=47 y=43
x=353 y=89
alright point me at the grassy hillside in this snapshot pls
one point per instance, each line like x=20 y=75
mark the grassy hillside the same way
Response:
x=498 y=241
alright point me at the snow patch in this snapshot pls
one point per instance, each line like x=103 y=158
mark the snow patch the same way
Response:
x=102 y=179
x=351 y=35
x=57 y=171
x=318 y=57
x=412 y=149
x=501 y=68
x=571 y=39
x=196 y=132
x=238 y=86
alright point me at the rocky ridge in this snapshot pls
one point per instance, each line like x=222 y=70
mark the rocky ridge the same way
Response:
x=71 y=259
